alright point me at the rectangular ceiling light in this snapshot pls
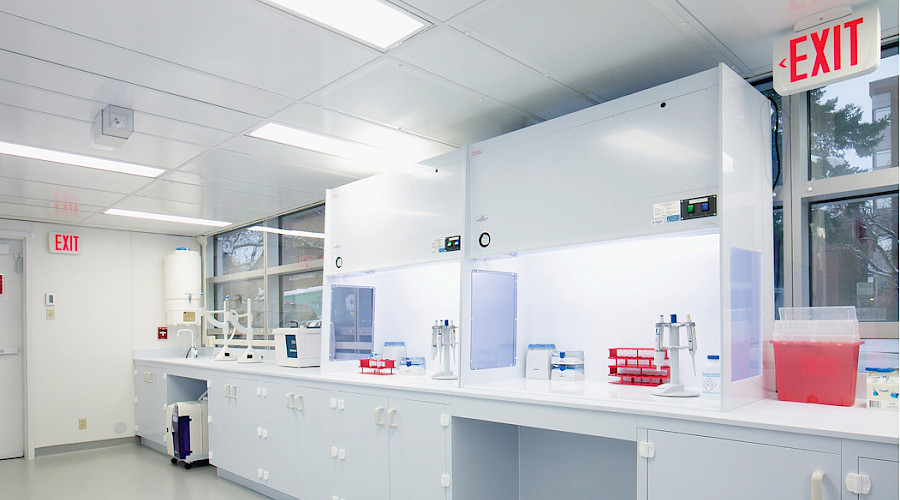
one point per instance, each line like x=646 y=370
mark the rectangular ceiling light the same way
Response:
x=377 y=23
x=334 y=146
x=288 y=232
x=78 y=160
x=165 y=218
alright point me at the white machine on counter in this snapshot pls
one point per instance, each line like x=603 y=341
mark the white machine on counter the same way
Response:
x=187 y=438
x=299 y=347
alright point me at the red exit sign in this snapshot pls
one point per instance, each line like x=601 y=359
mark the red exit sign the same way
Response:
x=830 y=52
x=64 y=243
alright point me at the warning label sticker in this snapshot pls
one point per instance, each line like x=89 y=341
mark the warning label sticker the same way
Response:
x=669 y=211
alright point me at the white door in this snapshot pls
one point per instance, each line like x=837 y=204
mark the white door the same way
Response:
x=12 y=327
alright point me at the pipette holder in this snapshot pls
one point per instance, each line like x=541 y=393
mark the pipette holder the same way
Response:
x=443 y=341
x=674 y=388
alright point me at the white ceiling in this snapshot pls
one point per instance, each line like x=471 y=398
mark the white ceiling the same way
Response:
x=201 y=74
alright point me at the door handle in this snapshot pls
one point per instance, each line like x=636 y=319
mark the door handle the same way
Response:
x=815 y=485
x=9 y=351
x=378 y=411
x=391 y=421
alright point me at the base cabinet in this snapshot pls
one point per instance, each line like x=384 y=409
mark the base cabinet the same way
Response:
x=701 y=467
x=150 y=404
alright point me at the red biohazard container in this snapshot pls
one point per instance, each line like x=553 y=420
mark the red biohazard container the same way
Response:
x=816 y=355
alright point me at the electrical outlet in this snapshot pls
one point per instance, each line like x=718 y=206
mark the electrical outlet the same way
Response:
x=82 y=423
x=51 y=313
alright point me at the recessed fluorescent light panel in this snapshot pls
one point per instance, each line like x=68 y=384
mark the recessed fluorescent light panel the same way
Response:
x=334 y=146
x=78 y=160
x=288 y=232
x=371 y=21
x=165 y=218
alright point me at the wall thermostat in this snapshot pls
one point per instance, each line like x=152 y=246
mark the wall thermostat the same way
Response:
x=49 y=299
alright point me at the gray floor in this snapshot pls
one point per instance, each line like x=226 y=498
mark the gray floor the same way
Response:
x=121 y=472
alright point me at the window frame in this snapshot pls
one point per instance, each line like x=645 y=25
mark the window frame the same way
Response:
x=797 y=192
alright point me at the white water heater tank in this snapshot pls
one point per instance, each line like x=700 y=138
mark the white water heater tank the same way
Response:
x=182 y=287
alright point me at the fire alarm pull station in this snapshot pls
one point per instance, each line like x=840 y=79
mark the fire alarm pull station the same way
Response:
x=162 y=333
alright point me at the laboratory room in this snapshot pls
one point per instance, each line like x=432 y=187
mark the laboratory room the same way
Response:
x=449 y=249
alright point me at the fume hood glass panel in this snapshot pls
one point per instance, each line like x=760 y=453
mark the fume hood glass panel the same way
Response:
x=238 y=251
x=746 y=314
x=303 y=238
x=352 y=322
x=494 y=319
x=301 y=298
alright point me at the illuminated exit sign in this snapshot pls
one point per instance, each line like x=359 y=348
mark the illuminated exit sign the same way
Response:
x=64 y=243
x=830 y=52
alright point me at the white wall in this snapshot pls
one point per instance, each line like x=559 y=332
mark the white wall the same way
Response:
x=109 y=302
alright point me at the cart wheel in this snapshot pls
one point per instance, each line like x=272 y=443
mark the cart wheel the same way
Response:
x=187 y=466
x=174 y=460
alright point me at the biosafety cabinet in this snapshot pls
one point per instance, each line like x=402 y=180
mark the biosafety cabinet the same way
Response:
x=392 y=250
x=600 y=221
x=580 y=231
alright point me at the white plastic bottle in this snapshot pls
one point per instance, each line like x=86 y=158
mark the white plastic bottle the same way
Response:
x=712 y=381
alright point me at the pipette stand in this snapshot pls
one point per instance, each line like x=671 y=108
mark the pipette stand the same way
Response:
x=443 y=339
x=249 y=355
x=674 y=389
x=224 y=353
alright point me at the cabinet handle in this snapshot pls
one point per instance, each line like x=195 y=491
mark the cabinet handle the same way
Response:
x=340 y=404
x=290 y=400
x=342 y=454
x=334 y=452
x=227 y=391
x=259 y=432
x=265 y=434
x=333 y=403
x=391 y=421
x=378 y=411
x=259 y=472
x=298 y=402
x=815 y=485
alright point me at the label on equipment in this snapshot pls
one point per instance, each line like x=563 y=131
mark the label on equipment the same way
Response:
x=669 y=211
x=1 y=284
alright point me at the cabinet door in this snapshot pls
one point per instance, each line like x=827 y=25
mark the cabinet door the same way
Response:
x=689 y=466
x=418 y=444
x=316 y=436
x=149 y=410
x=364 y=472
x=280 y=451
x=883 y=474
x=236 y=418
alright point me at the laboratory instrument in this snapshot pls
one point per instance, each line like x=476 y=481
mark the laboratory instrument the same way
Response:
x=635 y=366
x=298 y=347
x=537 y=361
x=443 y=341
x=412 y=366
x=712 y=381
x=224 y=353
x=674 y=388
x=187 y=438
x=249 y=355
x=394 y=350
x=567 y=365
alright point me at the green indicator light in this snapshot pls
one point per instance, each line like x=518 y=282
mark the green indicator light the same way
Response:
x=690 y=209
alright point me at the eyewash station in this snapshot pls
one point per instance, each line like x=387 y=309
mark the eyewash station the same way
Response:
x=586 y=301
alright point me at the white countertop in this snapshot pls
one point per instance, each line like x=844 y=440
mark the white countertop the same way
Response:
x=855 y=422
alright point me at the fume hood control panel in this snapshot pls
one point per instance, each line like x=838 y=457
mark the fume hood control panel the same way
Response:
x=695 y=208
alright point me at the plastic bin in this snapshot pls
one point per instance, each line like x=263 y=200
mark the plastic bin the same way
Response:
x=816 y=355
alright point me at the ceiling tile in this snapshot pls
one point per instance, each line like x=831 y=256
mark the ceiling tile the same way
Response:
x=589 y=45
x=221 y=183
x=296 y=159
x=456 y=57
x=318 y=119
x=183 y=209
x=207 y=196
x=41 y=213
x=442 y=9
x=252 y=170
x=43 y=42
x=290 y=56
x=750 y=28
x=147 y=226
x=56 y=195
x=396 y=93
x=57 y=174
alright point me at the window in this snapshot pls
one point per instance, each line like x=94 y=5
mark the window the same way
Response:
x=835 y=207
x=276 y=266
